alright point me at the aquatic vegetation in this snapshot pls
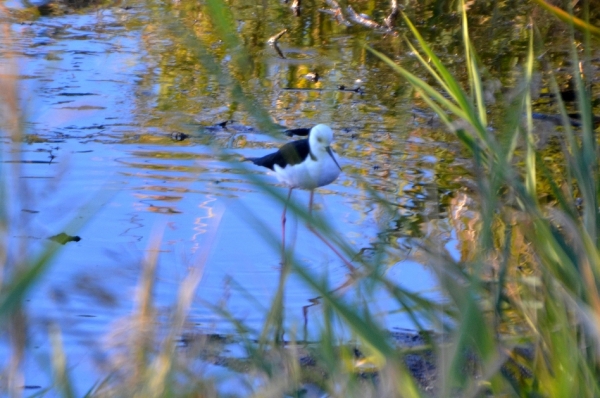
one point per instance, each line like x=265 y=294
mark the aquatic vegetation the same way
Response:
x=518 y=309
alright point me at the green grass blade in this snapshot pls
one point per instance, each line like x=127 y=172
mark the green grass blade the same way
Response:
x=454 y=88
x=474 y=77
x=59 y=365
x=565 y=205
x=421 y=85
x=530 y=169
x=363 y=326
x=569 y=18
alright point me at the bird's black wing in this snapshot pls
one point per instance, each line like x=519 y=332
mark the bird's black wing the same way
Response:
x=301 y=132
x=290 y=154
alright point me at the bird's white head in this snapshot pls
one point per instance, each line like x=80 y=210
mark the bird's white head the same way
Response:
x=321 y=136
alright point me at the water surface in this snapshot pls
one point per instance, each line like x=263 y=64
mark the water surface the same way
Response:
x=106 y=93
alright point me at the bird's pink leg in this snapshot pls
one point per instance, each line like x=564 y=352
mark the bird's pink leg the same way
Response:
x=314 y=231
x=350 y=267
x=283 y=220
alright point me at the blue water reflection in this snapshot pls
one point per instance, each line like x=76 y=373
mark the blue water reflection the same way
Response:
x=98 y=154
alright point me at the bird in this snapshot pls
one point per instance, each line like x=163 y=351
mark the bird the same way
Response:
x=306 y=164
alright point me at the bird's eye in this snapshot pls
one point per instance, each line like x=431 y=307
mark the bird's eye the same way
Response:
x=319 y=140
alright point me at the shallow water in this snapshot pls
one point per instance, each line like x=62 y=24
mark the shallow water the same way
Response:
x=103 y=91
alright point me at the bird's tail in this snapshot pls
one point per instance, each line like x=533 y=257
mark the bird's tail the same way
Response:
x=253 y=160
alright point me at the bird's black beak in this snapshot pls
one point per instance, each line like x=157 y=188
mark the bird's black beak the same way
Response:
x=328 y=149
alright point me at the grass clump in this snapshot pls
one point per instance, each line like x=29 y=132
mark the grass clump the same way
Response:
x=526 y=298
x=520 y=308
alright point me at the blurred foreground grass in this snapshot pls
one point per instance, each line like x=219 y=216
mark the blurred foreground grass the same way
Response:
x=520 y=314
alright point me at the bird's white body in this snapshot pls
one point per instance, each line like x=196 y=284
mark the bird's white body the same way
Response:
x=318 y=169
x=309 y=174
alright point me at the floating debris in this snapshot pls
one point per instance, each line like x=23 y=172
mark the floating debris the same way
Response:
x=63 y=238
x=273 y=39
x=74 y=94
x=303 y=89
x=221 y=125
x=296 y=8
x=278 y=50
x=574 y=119
x=358 y=90
x=312 y=76
x=362 y=19
x=352 y=17
x=336 y=11
x=177 y=136
x=273 y=42
x=391 y=19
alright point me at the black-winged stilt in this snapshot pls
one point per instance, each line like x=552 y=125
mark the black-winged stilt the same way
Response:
x=307 y=164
